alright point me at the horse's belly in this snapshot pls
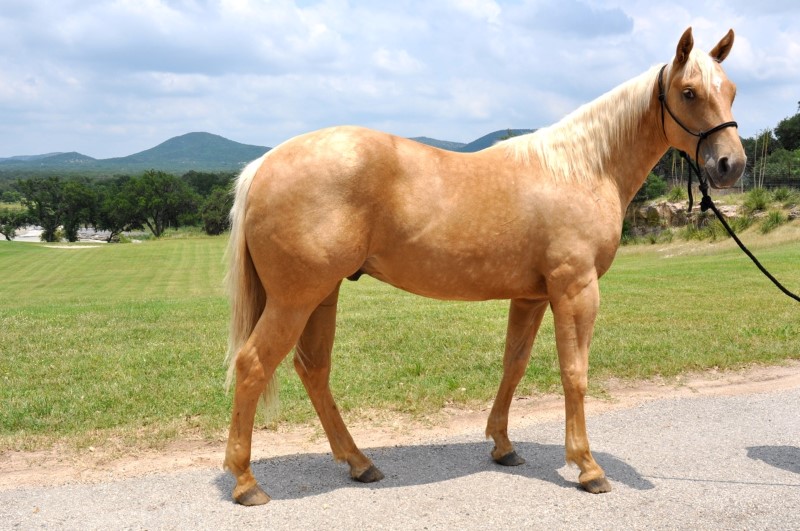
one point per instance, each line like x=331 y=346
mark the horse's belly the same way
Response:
x=467 y=280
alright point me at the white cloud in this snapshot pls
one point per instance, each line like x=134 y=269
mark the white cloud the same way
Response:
x=110 y=78
x=576 y=18
x=396 y=61
x=486 y=10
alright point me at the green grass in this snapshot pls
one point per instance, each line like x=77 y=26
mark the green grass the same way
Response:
x=118 y=337
x=773 y=220
x=756 y=199
x=127 y=341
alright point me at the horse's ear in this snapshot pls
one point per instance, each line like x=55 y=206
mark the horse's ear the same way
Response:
x=721 y=50
x=685 y=46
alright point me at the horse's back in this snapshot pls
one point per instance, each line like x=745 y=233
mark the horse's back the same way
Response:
x=349 y=173
x=341 y=161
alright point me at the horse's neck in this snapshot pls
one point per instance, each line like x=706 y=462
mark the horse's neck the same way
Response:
x=629 y=163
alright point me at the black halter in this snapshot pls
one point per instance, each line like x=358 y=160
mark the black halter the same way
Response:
x=702 y=135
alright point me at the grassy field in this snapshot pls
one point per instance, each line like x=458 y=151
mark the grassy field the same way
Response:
x=126 y=342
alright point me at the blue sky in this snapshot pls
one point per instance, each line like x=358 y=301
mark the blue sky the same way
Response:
x=112 y=77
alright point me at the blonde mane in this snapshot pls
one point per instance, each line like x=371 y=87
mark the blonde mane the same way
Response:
x=579 y=147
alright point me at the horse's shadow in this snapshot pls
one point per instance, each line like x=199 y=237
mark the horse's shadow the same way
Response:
x=302 y=475
x=784 y=457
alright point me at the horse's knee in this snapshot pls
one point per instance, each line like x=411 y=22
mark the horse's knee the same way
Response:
x=574 y=381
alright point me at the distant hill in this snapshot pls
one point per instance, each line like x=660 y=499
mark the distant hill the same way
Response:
x=73 y=157
x=181 y=154
x=178 y=155
x=49 y=164
x=476 y=145
x=441 y=144
x=26 y=158
x=194 y=151
x=492 y=139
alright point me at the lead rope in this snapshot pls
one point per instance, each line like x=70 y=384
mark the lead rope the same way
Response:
x=708 y=204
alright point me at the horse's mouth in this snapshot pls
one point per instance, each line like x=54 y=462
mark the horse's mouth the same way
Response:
x=711 y=181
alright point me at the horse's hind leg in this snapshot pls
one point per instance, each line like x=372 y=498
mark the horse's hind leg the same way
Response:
x=524 y=319
x=574 y=312
x=313 y=363
x=271 y=340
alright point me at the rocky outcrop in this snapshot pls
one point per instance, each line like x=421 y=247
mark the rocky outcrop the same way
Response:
x=667 y=214
x=653 y=217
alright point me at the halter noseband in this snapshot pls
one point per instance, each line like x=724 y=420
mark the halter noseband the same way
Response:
x=702 y=135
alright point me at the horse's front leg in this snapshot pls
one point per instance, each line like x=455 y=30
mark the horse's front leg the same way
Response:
x=575 y=307
x=524 y=318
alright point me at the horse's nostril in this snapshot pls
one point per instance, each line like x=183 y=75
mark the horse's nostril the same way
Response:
x=723 y=166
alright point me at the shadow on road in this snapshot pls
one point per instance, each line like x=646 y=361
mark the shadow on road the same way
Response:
x=783 y=457
x=302 y=475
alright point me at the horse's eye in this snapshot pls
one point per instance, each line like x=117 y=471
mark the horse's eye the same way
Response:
x=688 y=94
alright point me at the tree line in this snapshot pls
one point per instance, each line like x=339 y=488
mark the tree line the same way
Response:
x=155 y=200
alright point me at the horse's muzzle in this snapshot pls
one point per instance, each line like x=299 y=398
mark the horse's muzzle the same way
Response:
x=724 y=171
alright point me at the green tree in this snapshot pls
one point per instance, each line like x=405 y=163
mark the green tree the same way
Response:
x=43 y=198
x=215 y=211
x=12 y=219
x=783 y=164
x=159 y=200
x=78 y=207
x=204 y=183
x=788 y=132
x=9 y=192
x=117 y=211
x=53 y=203
x=653 y=187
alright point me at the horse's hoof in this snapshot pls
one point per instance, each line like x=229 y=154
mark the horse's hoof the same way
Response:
x=255 y=495
x=510 y=459
x=370 y=475
x=597 y=486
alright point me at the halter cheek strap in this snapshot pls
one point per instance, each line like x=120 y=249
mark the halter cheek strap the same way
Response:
x=702 y=135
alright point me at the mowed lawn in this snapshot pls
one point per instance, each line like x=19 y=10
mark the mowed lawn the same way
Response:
x=126 y=342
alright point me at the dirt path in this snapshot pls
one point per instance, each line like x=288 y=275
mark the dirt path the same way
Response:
x=59 y=466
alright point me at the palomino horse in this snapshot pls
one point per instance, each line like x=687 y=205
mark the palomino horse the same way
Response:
x=536 y=219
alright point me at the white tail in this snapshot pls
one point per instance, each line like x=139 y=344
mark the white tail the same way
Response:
x=245 y=292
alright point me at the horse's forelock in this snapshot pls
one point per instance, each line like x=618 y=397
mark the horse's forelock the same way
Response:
x=701 y=63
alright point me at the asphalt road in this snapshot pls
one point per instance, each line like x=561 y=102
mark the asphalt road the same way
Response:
x=705 y=462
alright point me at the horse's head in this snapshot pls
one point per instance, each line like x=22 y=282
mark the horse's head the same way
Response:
x=697 y=96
